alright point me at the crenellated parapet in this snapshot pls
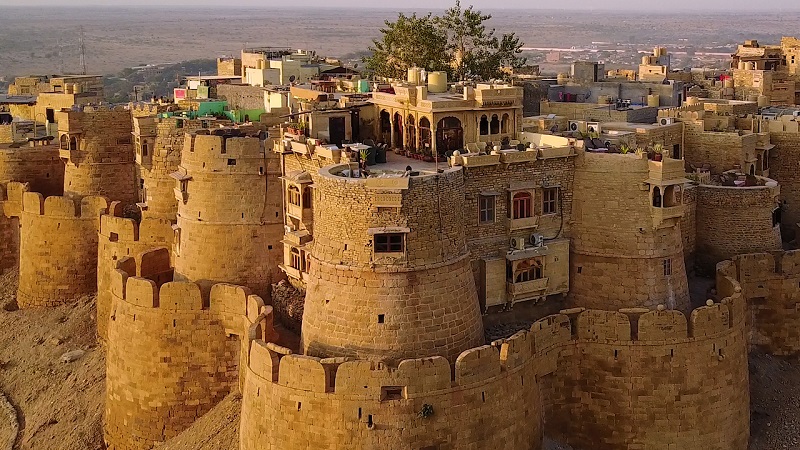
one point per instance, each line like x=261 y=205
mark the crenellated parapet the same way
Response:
x=121 y=237
x=675 y=364
x=769 y=284
x=173 y=352
x=58 y=247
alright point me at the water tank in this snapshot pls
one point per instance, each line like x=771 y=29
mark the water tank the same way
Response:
x=77 y=88
x=742 y=65
x=654 y=100
x=562 y=79
x=645 y=60
x=763 y=101
x=363 y=86
x=414 y=75
x=437 y=82
x=68 y=88
x=749 y=65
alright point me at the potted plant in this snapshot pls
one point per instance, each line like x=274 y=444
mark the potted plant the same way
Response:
x=658 y=151
x=624 y=149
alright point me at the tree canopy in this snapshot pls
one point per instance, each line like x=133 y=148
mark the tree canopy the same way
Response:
x=457 y=42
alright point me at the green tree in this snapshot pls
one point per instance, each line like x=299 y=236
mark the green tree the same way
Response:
x=407 y=42
x=475 y=51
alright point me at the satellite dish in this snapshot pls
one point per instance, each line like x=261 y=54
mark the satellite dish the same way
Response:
x=355 y=66
x=292 y=78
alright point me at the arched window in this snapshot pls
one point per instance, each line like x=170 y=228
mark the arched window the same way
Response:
x=64 y=140
x=144 y=148
x=504 y=124
x=494 y=126
x=672 y=195
x=307 y=194
x=297 y=260
x=73 y=143
x=752 y=169
x=484 y=126
x=521 y=205
x=294 y=195
x=657 y=197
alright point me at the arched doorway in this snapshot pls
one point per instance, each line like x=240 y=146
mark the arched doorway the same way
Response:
x=385 y=123
x=425 y=135
x=449 y=135
x=398 y=131
x=411 y=133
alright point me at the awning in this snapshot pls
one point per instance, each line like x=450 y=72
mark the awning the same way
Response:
x=180 y=176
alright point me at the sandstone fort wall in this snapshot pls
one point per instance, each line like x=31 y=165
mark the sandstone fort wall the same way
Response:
x=689 y=227
x=420 y=301
x=121 y=237
x=58 y=248
x=769 y=283
x=172 y=354
x=679 y=383
x=783 y=169
x=39 y=166
x=227 y=229
x=733 y=221
x=103 y=163
x=619 y=235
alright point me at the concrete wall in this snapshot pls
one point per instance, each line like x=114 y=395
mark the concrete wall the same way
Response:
x=733 y=221
x=658 y=381
x=58 y=248
x=188 y=353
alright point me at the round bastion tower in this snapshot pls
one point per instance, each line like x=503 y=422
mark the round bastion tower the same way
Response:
x=227 y=231
x=97 y=146
x=626 y=240
x=390 y=274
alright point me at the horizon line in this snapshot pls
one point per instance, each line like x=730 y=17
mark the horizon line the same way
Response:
x=744 y=8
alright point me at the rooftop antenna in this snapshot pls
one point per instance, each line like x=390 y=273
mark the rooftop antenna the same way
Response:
x=83 y=52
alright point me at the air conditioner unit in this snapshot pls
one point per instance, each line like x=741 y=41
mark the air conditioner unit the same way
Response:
x=593 y=127
x=666 y=121
x=537 y=240
x=770 y=117
x=577 y=125
x=517 y=243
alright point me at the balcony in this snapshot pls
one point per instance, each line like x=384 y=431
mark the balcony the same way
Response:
x=522 y=224
x=666 y=170
x=291 y=272
x=664 y=216
x=527 y=289
x=64 y=154
x=181 y=196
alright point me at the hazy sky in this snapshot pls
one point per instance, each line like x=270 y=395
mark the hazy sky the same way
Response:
x=486 y=5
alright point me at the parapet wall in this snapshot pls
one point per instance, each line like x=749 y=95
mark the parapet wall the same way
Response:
x=732 y=221
x=769 y=284
x=120 y=237
x=58 y=248
x=601 y=380
x=172 y=353
x=9 y=236
x=39 y=166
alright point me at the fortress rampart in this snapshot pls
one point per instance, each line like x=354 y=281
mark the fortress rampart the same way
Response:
x=39 y=166
x=121 y=237
x=98 y=149
x=769 y=284
x=58 y=248
x=733 y=221
x=627 y=212
x=158 y=151
x=227 y=229
x=9 y=235
x=185 y=345
x=677 y=383
x=417 y=298
x=783 y=169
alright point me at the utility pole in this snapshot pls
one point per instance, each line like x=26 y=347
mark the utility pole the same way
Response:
x=83 y=52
